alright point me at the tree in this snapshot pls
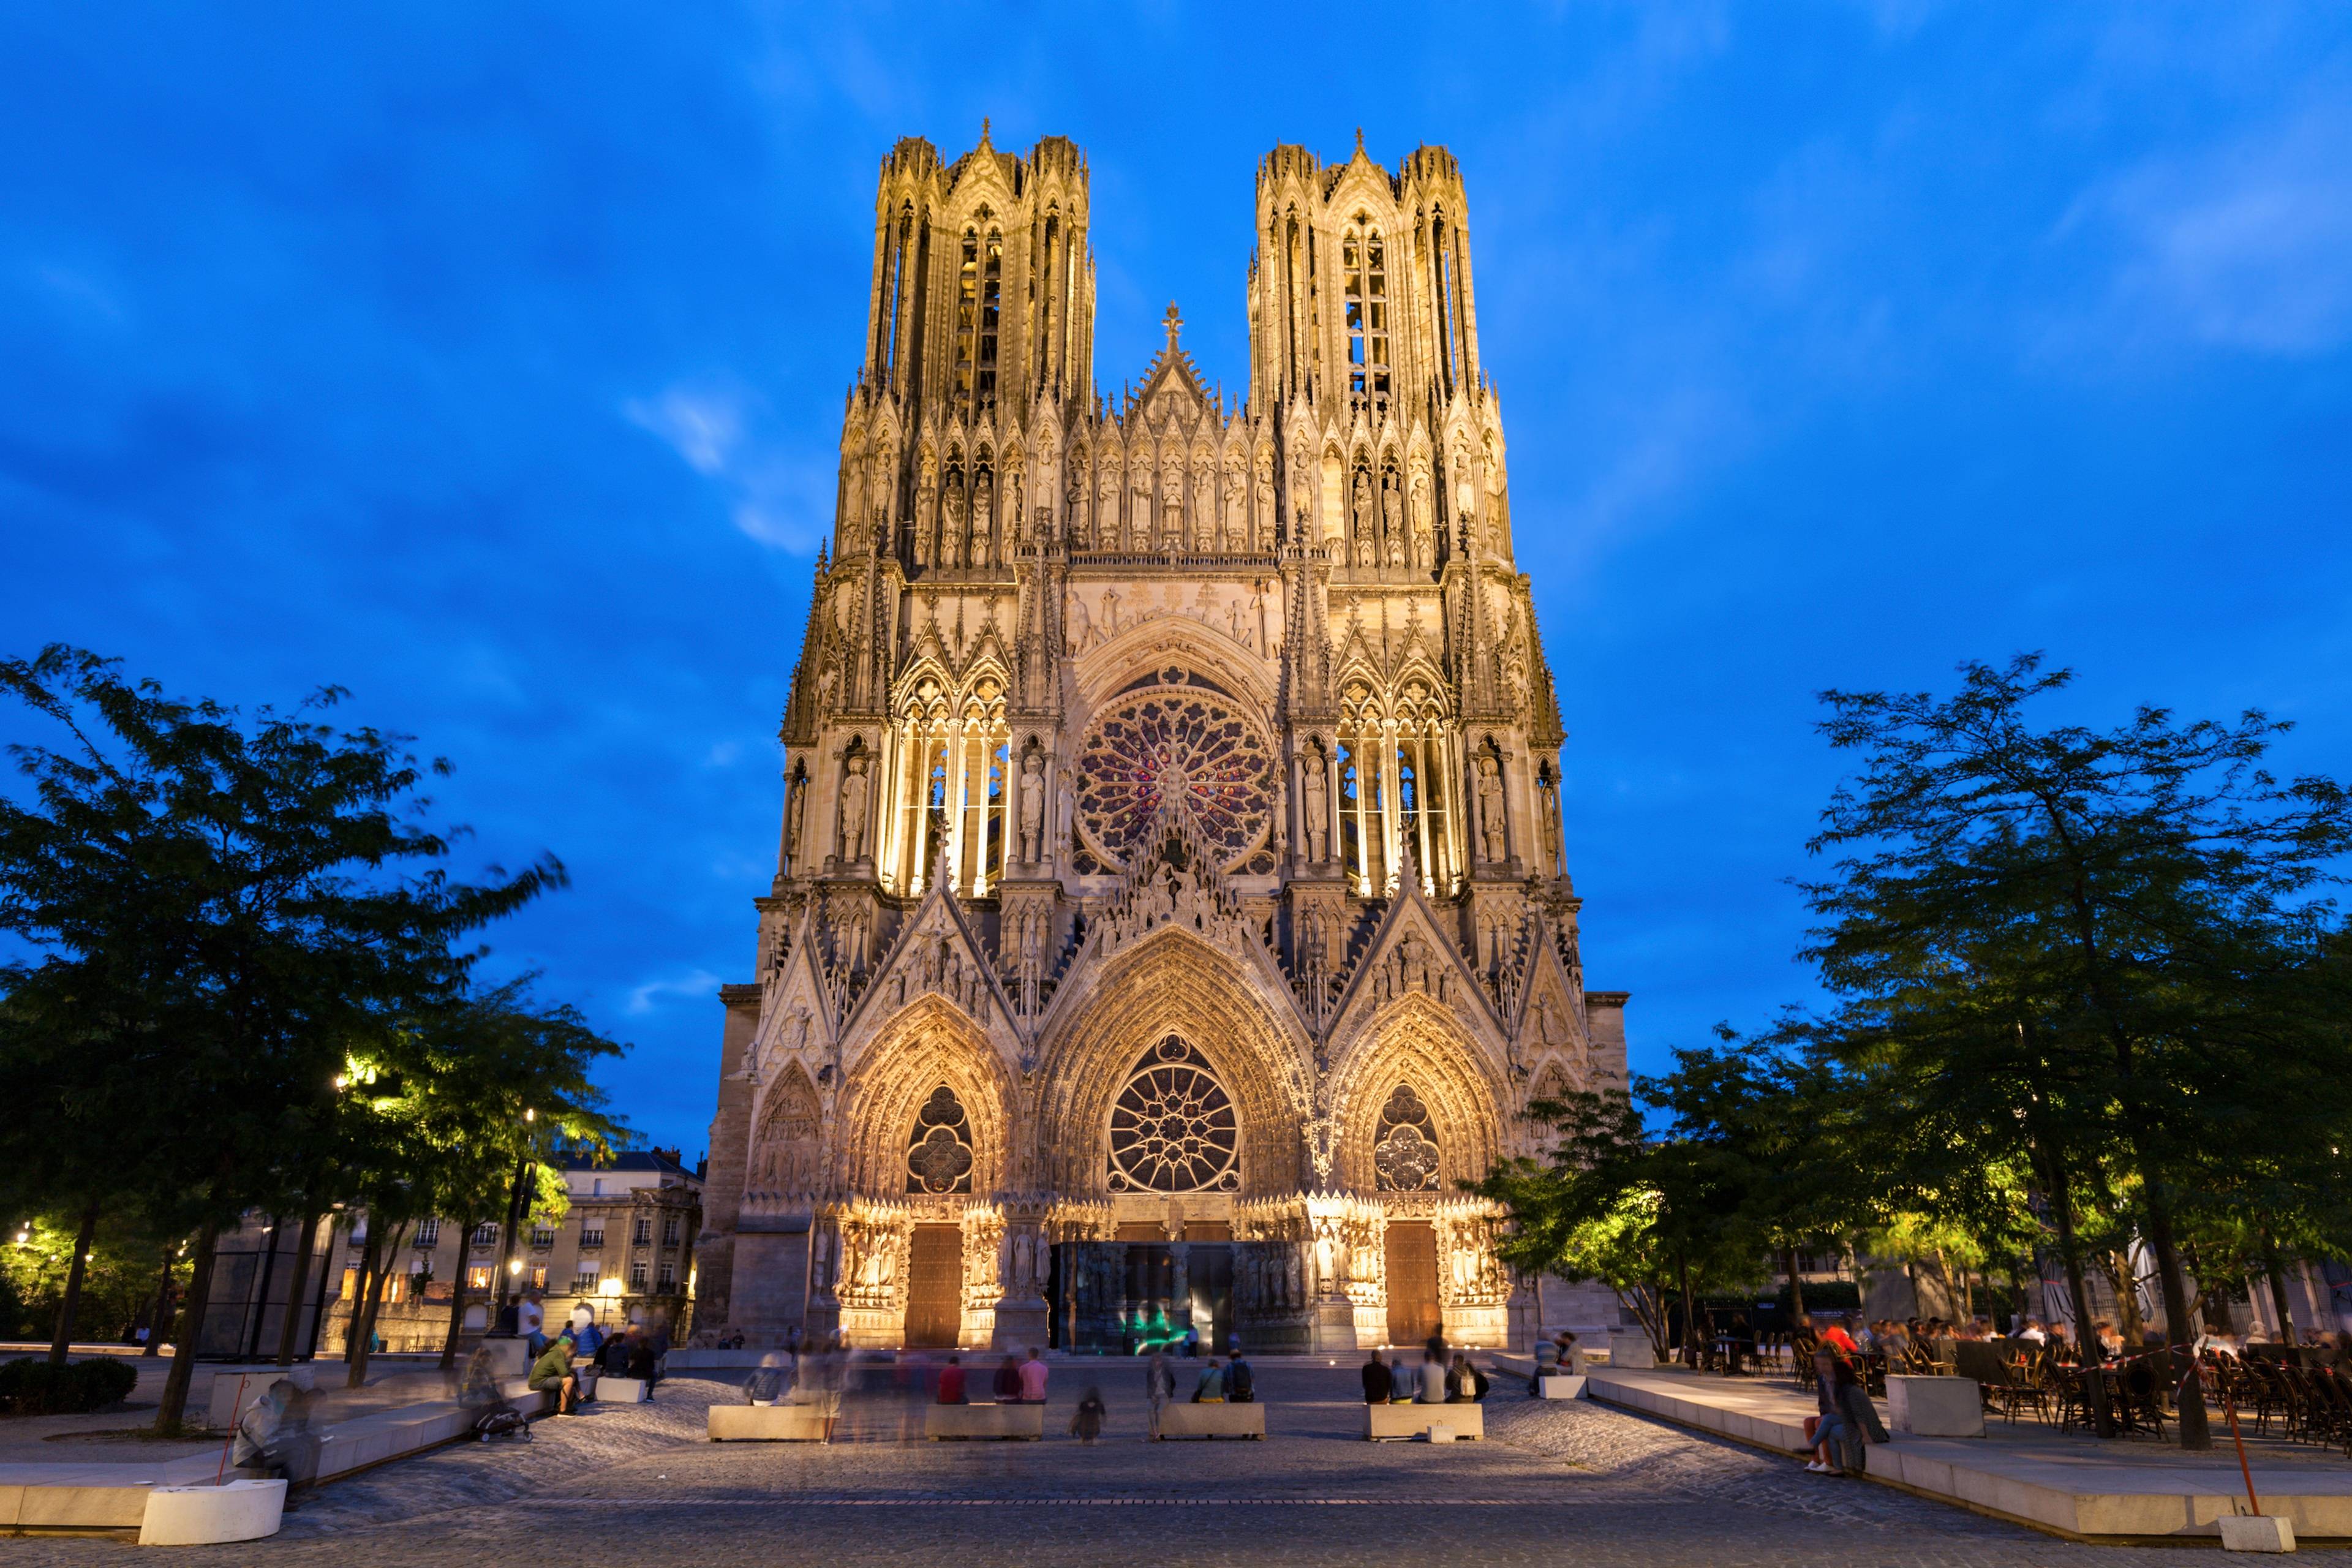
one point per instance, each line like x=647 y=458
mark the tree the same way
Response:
x=241 y=886
x=2083 y=949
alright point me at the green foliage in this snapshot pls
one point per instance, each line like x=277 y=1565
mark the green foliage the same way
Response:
x=34 y=1388
x=118 y=1281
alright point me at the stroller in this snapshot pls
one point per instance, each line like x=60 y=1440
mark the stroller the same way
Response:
x=494 y=1415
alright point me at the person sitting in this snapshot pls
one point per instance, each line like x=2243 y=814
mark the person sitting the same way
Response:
x=1211 y=1389
x=1241 y=1381
x=1033 y=1378
x=1465 y=1384
x=768 y=1381
x=1546 y=1365
x=1432 y=1381
x=1402 y=1381
x=553 y=1370
x=1376 y=1379
x=1007 y=1383
x=951 y=1383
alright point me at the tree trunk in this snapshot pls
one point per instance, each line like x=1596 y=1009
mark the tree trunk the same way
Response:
x=2194 y=1433
x=384 y=1264
x=296 y=1288
x=191 y=1321
x=1796 y=1287
x=357 y=1327
x=2062 y=1208
x=516 y=1209
x=75 y=1268
x=1690 y=1324
x=2276 y=1273
x=458 y=1301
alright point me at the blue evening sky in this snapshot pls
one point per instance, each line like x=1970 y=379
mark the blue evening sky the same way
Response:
x=490 y=361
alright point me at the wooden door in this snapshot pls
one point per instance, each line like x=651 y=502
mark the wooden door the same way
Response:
x=1413 y=1313
x=935 y=1285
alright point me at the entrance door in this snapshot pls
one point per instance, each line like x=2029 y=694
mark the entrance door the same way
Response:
x=935 y=1285
x=1413 y=1313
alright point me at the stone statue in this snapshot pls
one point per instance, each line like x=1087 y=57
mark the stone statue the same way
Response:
x=1490 y=810
x=1033 y=807
x=795 y=810
x=1079 y=628
x=984 y=512
x=1393 y=523
x=1318 y=809
x=853 y=810
x=952 y=529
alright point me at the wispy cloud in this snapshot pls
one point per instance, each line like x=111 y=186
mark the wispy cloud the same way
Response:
x=2246 y=246
x=774 y=495
x=699 y=983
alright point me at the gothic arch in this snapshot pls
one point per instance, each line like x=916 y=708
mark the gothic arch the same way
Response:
x=1146 y=644
x=787 y=1145
x=928 y=1044
x=1415 y=1043
x=1171 y=982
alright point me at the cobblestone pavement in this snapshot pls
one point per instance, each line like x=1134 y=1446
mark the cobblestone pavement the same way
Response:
x=1553 y=1483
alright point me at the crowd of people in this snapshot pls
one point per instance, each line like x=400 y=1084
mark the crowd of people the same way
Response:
x=571 y=1362
x=1441 y=1378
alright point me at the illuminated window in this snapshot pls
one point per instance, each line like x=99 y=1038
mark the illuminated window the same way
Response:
x=1363 y=265
x=1172 y=1129
x=1404 y=1151
x=637 y=1274
x=477 y=1276
x=539 y=1277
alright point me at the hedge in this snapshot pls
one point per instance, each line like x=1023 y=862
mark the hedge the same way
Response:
x=31 y=1386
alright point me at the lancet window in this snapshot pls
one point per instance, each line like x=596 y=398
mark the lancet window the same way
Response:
x=1398 y=789
x=950 y=787
x=991 y=268
x=939 y=1150
x=1363 y=265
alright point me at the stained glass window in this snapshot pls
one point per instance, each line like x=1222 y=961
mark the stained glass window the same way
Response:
x=1404 y=1152
x=1177 y=741
x=939 y=1150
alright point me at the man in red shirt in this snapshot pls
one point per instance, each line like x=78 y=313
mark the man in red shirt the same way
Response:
x=1835 y=1334
x=951 y=1383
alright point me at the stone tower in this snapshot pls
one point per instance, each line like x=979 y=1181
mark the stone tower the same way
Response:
x=1170 y=909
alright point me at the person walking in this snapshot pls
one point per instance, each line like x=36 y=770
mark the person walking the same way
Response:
x=531 y=1323
x=1087 y=1421
x=1159 y=1388
x=1376 y=1379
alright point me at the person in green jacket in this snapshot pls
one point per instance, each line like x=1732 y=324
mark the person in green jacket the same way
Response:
x=553 y=1370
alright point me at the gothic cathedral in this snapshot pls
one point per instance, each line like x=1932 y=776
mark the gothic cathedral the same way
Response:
x=1170 y=910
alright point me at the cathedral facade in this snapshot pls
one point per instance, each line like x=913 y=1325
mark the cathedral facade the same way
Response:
x=1170 y=911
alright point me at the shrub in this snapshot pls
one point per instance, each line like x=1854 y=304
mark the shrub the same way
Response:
x=31 y=1386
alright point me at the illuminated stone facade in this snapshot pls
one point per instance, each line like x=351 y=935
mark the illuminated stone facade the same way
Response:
x=1169 y=910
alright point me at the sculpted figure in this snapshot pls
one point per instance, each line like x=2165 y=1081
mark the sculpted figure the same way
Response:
x=1079 y=626
x=1318 y=806
x=1032 y=805
x=1490 y=809
x=951 y=530
x=1393 y=525
x=983 y=511
x=853 y=810
x=794 y=813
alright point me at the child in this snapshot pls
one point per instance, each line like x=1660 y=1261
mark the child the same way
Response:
x=1088 y=1420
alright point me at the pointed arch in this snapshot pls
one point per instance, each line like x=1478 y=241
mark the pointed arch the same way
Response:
x=1415 y=1044
x=926 y=1046
x=787 y=1146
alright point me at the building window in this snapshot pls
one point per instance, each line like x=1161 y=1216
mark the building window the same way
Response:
x=477 y=1276
x=1173 y=1130
x=592 y=1235
x=990 y=284
x=1404 y=1151
x=585 y=1283
x=669 y=1278
x=541 y=1237
x=939 y=1150
x=486 y=1234
x=967 y=311
x=669 y=1230
x=351 y=1287
x=539 y=1276
x=1364 y=264
x=428 y=1233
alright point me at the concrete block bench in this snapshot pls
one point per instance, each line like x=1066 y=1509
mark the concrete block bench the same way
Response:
x=623 y=1390
x=1212 y=1421
x=1023 y=1422
x=1936 y=1406
x=769 y=1424
x=208 y=1516
x=1558 y=1386
x=1395 y=1421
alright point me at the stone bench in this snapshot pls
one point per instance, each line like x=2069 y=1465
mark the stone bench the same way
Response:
x=623 y=1390
x=1025 y=1422
x=1465 y=1420
x=1935 y=1406
x=208 y=1516
x=1559 y=1386
x=769 y=1424
x=1212 y=1421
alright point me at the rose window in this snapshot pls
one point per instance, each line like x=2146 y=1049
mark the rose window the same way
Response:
x=1172 y=1129
x=1404 y=1149
x=1174 y=743
x=938 y=1152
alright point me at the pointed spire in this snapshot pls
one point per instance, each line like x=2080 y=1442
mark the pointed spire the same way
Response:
x=1359 y=140
x=983 y=132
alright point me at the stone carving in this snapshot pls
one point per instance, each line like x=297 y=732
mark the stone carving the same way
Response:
x=1492 y=836
x=1314 y=797
x=854 y=786
x=1033 y=807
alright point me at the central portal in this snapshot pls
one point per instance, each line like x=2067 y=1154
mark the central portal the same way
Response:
x=935 y=1285
x=1413 y=1313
